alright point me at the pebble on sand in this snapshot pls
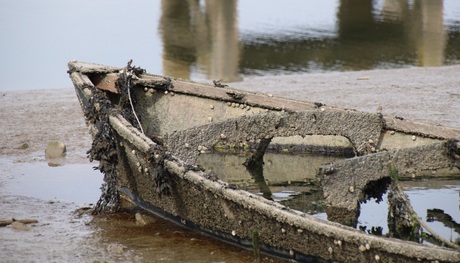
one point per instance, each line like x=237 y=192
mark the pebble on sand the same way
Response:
x=55 y=149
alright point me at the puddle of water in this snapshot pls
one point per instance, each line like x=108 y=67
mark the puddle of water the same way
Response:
x=78 y=183
x=423 y=197
x=290 y=180
x=51 y=195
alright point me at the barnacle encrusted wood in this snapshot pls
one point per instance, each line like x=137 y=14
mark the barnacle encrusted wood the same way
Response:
x=148 y=137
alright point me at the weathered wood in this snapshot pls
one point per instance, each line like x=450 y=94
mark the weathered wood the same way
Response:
x=231 y=214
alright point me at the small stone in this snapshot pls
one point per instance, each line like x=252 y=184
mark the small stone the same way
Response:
x=377 y=258
x=373 y=149
x=187 y=145
x=19 y=226
x=233 y=233
x=351 y=189
x=166 y=92
x=133 y=151
x=368 y=246
x=242 y=106
x=270 y=95
x=339 y=243
x=362 y=248
x=229 y=104
x=146 y=170
x=283 y=230
x=210 y=119
x=330 y=250
x=291 y=252
x=151 y=91
x=300 y=231
x=371 y=141
x=212 y=107
x=323 y=109
x=55 y=149
x=392 y=132
x=22 y=146
x=222 y=136
x=138 y=164
x=414 y=138
x=248 y=108
x=202 y=149
x=146 y=89
x=140 y=219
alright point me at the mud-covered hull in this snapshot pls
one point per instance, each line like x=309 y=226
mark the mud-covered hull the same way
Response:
x=155 y=168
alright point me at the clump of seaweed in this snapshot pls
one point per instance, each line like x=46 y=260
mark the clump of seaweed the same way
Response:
x=160 y=175
x=104 y=149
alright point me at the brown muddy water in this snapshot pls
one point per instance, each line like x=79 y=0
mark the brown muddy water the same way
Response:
x=57 y=198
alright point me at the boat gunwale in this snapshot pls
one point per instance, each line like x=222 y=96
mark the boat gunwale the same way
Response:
x=262 y=100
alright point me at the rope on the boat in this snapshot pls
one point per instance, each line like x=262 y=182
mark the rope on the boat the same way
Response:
x=128 y=74
x=420 y=221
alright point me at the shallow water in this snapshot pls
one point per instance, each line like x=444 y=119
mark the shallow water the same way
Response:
x=227 y=40
x=77 y=183
x=290 y=180
x=52 y=195
x=423 y=196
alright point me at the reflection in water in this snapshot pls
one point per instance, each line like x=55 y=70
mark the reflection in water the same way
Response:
x=205 y=37
x=206 y=34
x=290 y=180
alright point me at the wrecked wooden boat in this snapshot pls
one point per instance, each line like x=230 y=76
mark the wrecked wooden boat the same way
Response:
x=150 y=133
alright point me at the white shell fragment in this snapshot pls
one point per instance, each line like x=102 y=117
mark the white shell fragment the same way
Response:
x=351 y=189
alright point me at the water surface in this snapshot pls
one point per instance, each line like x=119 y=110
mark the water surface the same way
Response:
x=229 y=40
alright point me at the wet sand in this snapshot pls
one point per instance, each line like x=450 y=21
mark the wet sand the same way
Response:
x=29 y=119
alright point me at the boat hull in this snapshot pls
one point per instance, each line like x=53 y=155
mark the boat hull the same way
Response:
x=143 y=171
